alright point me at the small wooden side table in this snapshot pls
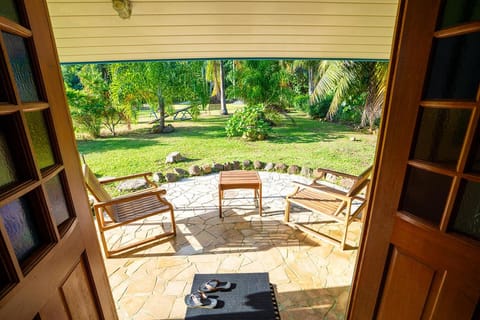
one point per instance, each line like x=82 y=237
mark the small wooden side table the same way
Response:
x=239 y=179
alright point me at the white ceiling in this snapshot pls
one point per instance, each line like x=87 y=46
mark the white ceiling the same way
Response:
x=91 y=31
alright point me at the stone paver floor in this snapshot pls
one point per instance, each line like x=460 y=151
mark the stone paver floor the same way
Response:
x=311 y=278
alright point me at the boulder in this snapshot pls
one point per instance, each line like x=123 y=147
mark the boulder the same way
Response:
x=293 y=169
x=269 y=166
x=181 y=172
x=217 y=167
x=318 y=173
x=306 y=172
x=228 y=166
x=246 y=164
x=236 y=165
x=258 y=165
x=132 y=184
x=174 y=157
x=194 y=170
x=206 y=168
x=280 y=167
x=171 y=177
x=158 y=177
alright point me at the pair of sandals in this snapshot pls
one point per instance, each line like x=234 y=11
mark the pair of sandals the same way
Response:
x=200 y=300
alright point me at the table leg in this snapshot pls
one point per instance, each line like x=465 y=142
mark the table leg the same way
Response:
x=220 y=195
x=260 y=200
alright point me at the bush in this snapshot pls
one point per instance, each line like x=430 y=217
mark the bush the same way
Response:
x=250 y=123
x=314 y=109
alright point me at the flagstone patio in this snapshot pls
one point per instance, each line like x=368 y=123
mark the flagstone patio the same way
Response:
x=311 y=278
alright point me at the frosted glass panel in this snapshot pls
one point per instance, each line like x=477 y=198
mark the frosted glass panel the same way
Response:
x=8 y=9
x=56 y=196
x=466 y=218
x=19 y=221
x=440 y=135
x=8 y=172
x=40 y=139
x=455 y=68
x=21 y=66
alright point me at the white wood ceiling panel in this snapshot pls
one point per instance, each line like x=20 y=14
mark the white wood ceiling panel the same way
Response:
x=91 y=31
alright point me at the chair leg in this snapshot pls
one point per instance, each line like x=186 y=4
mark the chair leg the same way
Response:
x=174 y=225
x=286 y=217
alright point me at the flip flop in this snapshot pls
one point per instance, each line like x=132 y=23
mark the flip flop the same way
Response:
x=215 y=285
x=200 y=300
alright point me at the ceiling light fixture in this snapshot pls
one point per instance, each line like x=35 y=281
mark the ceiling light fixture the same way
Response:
x=123 y=7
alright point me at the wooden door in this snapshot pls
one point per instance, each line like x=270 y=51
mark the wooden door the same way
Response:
x=420 y=256
x=50 y=262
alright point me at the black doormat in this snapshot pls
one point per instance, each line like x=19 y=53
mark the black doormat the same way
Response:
x=251 y=297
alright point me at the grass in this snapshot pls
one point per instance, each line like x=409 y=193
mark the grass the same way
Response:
x=306 y=143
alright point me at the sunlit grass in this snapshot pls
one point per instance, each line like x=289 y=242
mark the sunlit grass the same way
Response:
x=305 y=142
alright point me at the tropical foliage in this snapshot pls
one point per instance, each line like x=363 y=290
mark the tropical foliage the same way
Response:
x=105 y=95
x=354 y=84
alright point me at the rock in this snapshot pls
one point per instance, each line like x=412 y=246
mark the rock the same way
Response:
x=331 y=177
x=306 y=172
x=194 y=170
x=236 y=165
x=354 y=139
x=281 y=167
x=168 y=129
x=174 y=157
x=158 y=129
x=318 y=173
x=132 y=184
x=347 y=183
x=228 y=166
x=293 y=169
x=258 y=165
x=246 y=164
x=217 y=167
x=158 y=177
x=171 y=177
x=206 y=168
x=181 y=172
x=269 y=166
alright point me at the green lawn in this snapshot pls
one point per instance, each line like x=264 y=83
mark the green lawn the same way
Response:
x=307 y=142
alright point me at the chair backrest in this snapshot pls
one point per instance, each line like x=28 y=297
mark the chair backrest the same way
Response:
x=94 y=186
x=362 y=181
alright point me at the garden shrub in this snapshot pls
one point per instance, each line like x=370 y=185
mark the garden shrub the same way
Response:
x=250 y=123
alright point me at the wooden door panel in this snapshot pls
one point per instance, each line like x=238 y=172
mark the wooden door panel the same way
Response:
x=43 y=201
x=408 y=280
x=55 y=308
x=420 y=254
x=78 y=294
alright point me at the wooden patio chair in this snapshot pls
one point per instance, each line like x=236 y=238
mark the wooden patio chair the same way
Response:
x=113 y=212
x=341 y=206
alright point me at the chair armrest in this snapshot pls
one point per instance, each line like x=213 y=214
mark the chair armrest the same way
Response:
x=131 y=176
x=335 y=173
x=133 y=196
x=143 y=175
x=320 y=188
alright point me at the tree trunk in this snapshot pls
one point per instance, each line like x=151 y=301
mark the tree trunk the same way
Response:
x=311 y=85
x=161 y=114
x=223 y=103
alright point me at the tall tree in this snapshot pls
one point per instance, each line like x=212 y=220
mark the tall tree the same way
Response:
x=353 y=78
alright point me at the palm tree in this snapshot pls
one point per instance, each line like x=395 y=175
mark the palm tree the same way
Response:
x=346 y=78
x=311 y=66
x=216 y=75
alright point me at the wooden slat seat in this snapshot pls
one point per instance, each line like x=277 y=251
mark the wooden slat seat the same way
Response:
x=338 y=205
x=112 y=212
